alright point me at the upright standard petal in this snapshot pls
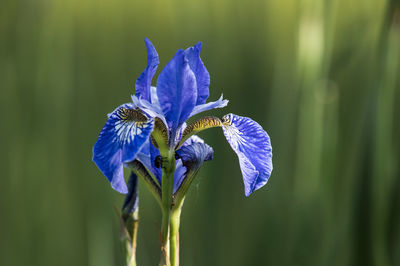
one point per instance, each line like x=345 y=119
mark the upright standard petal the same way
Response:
x=177 y=91
x=200 y=71
x=143 y=83
x=121 y=138
x=253 y=148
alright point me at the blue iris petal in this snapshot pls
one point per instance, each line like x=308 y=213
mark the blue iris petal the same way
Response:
x=220 y=103
x=193 y=139
x=194 y=152
x=200 y=71
x=143 y=83
x=119 y=141
x=179 y=175
x=191 y=156
x=177 y=91
x=154 y=98
x=147 y=156
x=253 y=148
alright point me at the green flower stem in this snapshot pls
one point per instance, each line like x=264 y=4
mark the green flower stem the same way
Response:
x=164 y=260
x=168 y=167
x=179 y=198
x=174 y=231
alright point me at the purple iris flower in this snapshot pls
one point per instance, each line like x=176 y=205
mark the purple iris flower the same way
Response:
x=181 y=93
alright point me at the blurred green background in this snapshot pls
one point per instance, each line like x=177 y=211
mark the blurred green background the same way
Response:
x=322 y=77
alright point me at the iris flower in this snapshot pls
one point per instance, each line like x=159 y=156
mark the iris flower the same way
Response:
x=151 y=136
x=153 y=126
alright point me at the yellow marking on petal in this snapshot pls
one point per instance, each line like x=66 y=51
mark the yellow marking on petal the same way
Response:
x=199 y=125
x=159 y=136
x=136 y=115
x=226 y=120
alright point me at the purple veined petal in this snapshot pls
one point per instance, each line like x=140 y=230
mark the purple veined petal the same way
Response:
x=253 y=148
x=179 y=175
x=194 y=152
x=121 y=138
x=220 y=103
x=192 y=156
x=200 y=71
x=143 y=83
x=177 y=91
x=147 y=157
x=144 y=158
x=193 y=139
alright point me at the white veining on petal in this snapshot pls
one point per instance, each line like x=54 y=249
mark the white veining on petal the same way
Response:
x=126 y=131
x=252 y=146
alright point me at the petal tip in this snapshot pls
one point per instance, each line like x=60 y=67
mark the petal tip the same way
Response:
x=199 y=45
x=121 y=188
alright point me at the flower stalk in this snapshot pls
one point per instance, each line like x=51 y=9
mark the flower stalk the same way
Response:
x=174 y=231
x=168 y=169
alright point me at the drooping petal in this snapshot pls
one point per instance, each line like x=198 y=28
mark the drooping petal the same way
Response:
x=131 y=202
x=200 y=71
x=121 y=138
x=194 y=152
x=253 y=148
x=191 y=155
x=179 y=175
x=143 y=83
x=220 y=103
x=193 y=139
x=177 y=91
